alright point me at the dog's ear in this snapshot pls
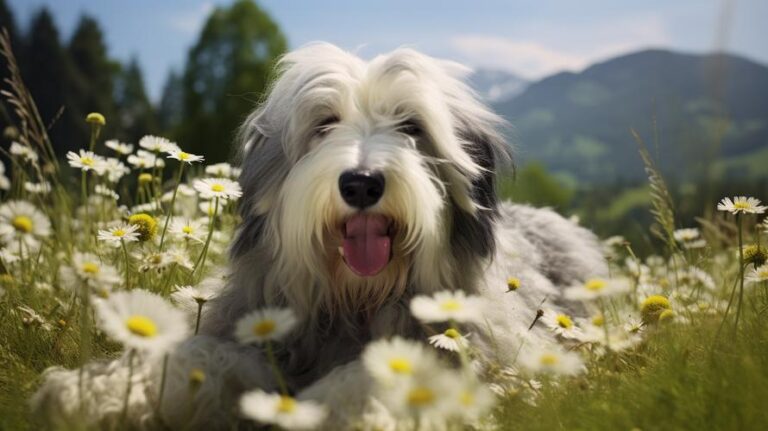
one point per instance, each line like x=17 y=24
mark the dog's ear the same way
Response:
x=473 y=233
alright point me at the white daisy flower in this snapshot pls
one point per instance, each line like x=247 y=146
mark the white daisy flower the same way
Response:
x=207 y=208
x=148 y=207
x=550 y=359
x=145 y=160
x=266 y=324
x=103 y=190
x=432 y=397
x=561 y=324
x=474 y=399
x=8 y=257
x=221 y=188
x=451 y=340
x=188 y=230
x=114 y=169
x=179 y=257
x=157 y=144
x=189 y=298
x=446 y=305
x=142 y=320
x=24 y=151
x=85 y=161
x=596 y=288
x=119 y=147
x=390 y=361
x=686 y=235
x=222 y=170
x=758 y=275
x=42 y=188
x=117 y=235
x=157 y=261
x=88 y=268
x=282 y=410
x=184 y=157
x=21 y=221
x=692 y=245
x=5 y=183
x=741 y=205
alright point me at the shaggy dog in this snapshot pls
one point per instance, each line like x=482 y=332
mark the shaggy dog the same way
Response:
x=365 y=184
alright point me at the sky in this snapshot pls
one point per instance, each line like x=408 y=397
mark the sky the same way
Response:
x=531 y=38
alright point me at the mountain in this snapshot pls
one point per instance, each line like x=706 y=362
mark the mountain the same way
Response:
x=496 y=86
x=710 y=112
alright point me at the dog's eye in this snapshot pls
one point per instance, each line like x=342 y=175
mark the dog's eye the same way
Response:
x=410 y=128
x=324 y=126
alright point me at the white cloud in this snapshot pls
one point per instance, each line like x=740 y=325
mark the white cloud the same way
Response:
x=191 y=21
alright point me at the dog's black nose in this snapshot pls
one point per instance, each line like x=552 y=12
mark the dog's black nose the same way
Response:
x=361 y=189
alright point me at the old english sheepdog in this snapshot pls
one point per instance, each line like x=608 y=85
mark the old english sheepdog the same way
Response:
x=367 y=183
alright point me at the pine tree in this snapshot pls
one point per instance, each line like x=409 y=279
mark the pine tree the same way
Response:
x=136 y=116
x=171 y=109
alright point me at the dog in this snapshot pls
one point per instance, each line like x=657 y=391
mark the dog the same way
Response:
x=366 y=183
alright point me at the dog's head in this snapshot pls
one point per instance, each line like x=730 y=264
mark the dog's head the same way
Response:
x=365 y=178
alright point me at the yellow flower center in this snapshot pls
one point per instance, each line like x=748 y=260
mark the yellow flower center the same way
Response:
x=183 y=155
x=598 y=320
x=451 y=305
x=90 y=268
x=564 y=321
x=142 y=326
x=595 y=285
x=467 y=399
x=549 y=359
x=286 y=404
x=452 y=333
x=420 y=397
x=22 y=224
x=87 y=161
x=145 y=178
x=196 y=376
x=513 y=283
x=400 y=365
x=218 y=188
x=187 y=230
x=118 y=233
x=741 y=205
x=264 y=327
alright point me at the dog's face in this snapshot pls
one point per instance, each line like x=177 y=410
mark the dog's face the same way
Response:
x=366 y=178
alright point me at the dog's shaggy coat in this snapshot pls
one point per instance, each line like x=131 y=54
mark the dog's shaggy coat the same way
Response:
x=411 y=119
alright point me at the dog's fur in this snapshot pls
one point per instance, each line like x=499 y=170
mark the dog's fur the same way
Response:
x=412 y=118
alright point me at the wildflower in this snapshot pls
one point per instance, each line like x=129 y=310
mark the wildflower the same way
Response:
x=266 y=324
x=156 y=261
x=96 y=119
x=141 y=320
x=24 y=151
x=596 y=288
x=145 y=160
x=188 y=230
x=119 y=147
x=652 y=307
x=282 y=410
x=754 y=254
x=666 y=316
x=176 y=153
x=550 y=359
x=741 y=205
x=145 y=178
x=561 y=324
x=21 y=222
x=697 y=276
x=85 y=161
x=513 y=283
x=758 y=275
x=430 y=397
x=157 y=144
x=42 y=188
x=222 y=170
x=221 y=188
x=686 y=235
x=634 y=325
x=179 y=257
x=103 y=190
x=444 y=306
x=395 y=359
x=118 y=235
x=451 y=340
x=191 y=297
x=699 y=243
x=146 y=226
x=114 y=169
x=474 y=399
x=86 y=268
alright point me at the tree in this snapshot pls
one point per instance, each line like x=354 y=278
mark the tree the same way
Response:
x=171 y=109
x=136 y=116
x=226 y=72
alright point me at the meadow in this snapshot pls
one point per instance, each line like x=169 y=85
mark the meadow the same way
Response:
x=113 y=252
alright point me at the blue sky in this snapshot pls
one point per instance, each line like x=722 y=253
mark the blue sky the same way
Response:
x=532 y=38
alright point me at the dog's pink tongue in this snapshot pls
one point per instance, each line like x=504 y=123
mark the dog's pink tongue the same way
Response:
x=366 y=244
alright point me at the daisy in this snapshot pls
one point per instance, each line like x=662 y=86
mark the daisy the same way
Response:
x=222 y=188
x=188 y=230
x=513 y=283
x=119 y=147
x=561 y=324
x=758 y=275
x=691 y=245
x=42 y=188
x=191 y=297
x=222 y=170
x=88 y=269
x=114 y=169
x=145 y=160
x=390 y=361
x=157 y=144
x=741 y=205
x=179 y=257
x=266 y=324
x=103 y=190
x=21 y=222
x=85 y=161
x=24 y=151
x=118 y=235
x=96 y=119
x=446 y=305
x=653 y=306
x=176 y=153
x=596 y=288
x=141 y=320
x=474 y=399
x=282 y=410
x=429 y=398
x=451 y=340
x=550 y=359
x=686 y=235
x=146 y=226
x=156 y=261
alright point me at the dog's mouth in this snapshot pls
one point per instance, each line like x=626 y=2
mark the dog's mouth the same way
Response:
x=367 y=243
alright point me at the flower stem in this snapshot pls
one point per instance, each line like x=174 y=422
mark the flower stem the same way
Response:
x=199 y=313
x=124 y=414
x=173 y=202
x=127 y=265
x=276 y=368
x=162 y=385
x=201 y=259
x=741 y=272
